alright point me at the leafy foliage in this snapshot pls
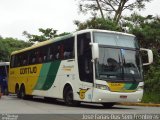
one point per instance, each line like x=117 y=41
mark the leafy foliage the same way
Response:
x=98 y=23
x=146 y=29
x=152 y=82
x=8 y=45
x=47 y=34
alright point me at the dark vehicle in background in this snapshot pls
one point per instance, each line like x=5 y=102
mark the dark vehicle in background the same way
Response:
x=4 y=67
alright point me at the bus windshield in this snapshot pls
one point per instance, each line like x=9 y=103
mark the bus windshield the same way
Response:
x=113 y=39
x=118 y=62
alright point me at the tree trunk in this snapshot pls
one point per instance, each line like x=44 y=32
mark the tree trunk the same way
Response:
x=100 y=10
x=118 y=12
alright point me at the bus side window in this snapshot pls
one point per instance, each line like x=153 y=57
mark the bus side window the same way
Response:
x=59 y=52
x=24 y=59
x=84 y=57
x=51 y=52
x=12 y=61
x=19 y=60
x=69 y=48
x=32 y=57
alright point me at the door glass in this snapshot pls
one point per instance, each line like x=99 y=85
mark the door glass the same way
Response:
x=85 y=65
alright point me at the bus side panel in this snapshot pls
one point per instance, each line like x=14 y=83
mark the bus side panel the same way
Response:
x=13 y=79
x=48 y=81
x=68 y=75
x=82 y=91
x=27 y=75
x=62 y=73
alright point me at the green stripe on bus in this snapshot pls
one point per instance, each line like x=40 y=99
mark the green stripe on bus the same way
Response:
x=134 y=86
x=127 y=85
x=47 y=75
x=42 y=76
x=52 y=73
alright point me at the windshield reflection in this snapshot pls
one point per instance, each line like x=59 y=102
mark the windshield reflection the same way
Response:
x=118 y=64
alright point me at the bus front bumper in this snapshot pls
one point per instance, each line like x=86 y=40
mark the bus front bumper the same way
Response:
x=102 y=96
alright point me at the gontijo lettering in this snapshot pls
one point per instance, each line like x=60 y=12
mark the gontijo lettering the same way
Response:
x=28 y=70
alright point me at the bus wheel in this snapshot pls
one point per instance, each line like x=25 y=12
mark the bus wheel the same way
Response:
x=108 y=105
x=22 y=92
x=68 y=98
x=17 y=91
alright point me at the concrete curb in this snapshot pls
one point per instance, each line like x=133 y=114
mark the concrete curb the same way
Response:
x=140 y=104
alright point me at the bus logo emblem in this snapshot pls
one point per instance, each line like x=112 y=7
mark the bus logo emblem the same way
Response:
x=82 y=93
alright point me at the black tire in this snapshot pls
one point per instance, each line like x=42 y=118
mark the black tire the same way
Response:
x=108 y=105
x=17 y=91
x=22 y=93
x=69 y=99
x=6 y=92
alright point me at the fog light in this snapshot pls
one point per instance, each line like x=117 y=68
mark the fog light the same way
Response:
x=100 y=99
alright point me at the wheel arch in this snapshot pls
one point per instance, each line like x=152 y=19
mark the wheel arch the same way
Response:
x=22 y=85
x=67 y=86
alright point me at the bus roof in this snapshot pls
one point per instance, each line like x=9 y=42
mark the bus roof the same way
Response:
x=68 y=36
x=47 y=42
x=4 y=63
x=105 y=31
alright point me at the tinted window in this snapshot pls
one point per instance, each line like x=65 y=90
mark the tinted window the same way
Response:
x=60 y=50
x=84 y=57
x=2 y=71
x=113 y=39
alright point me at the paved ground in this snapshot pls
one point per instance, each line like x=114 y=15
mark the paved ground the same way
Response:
x=12 y=105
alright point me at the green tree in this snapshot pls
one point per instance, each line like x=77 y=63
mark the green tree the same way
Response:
x=47 y=34
x=8 y=45
x=146 y=29
x=111 y=6
x=98 y=23
x=1 y=37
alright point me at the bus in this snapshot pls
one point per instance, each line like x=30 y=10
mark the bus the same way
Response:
x=4 y=67
x=91 y=65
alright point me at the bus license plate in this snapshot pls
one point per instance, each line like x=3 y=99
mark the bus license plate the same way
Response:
x=123 y=96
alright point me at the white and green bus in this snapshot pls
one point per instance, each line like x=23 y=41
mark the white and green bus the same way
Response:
x=91 y=65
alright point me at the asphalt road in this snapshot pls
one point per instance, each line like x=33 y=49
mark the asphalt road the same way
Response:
x=39 y=108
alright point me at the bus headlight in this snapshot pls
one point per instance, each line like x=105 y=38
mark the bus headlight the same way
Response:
x=102 y=87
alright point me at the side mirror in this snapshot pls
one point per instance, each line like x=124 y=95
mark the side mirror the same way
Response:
x=149 y=54
x=95 y=50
